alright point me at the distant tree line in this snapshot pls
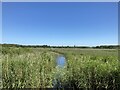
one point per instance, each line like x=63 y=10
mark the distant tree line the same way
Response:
x=107 y=46
x=47 y=46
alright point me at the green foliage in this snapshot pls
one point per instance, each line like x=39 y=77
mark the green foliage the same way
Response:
x=92 y=69
x=25 y=69
x=36 y=68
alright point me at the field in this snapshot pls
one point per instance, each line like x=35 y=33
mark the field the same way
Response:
x=24 y=67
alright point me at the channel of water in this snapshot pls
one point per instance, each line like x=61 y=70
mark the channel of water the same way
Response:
x=60 y=64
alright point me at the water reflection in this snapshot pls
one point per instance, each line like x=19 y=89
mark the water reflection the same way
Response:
x=61 y=61
x=60 y=64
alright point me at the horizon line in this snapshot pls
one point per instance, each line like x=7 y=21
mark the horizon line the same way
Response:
x=61 y=45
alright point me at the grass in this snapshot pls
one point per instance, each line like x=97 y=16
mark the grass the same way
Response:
x=92 y=69
x=23 y=68
x=36 y=68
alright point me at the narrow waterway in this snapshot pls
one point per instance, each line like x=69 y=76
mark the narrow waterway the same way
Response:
x=61 y=61
x=60 y=67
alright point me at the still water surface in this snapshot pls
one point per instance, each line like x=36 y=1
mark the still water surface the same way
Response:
x=61 y=61
x=60 y=64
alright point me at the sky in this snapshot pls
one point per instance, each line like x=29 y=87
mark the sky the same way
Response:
x=60 y=23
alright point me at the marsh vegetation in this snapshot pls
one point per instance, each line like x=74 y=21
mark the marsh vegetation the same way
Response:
x=36 y=68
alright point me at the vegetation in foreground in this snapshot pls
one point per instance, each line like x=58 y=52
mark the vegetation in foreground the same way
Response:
x=36 y=68
x=91 y=68
x=27 y=68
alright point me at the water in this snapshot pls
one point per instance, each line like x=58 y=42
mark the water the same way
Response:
x=60 y=64
x=61 y=61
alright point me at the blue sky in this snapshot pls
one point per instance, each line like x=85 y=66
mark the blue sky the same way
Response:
x=60 y=23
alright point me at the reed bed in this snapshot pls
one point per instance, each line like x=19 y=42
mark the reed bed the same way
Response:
x=36 y=68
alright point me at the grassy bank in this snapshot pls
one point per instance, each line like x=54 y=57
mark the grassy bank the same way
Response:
x=35 y=68
x=91 y=68
x=27 y=68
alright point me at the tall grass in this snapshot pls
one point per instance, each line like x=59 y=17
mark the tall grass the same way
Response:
x=27 y=68
x=36 y=68
x=92 y=69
